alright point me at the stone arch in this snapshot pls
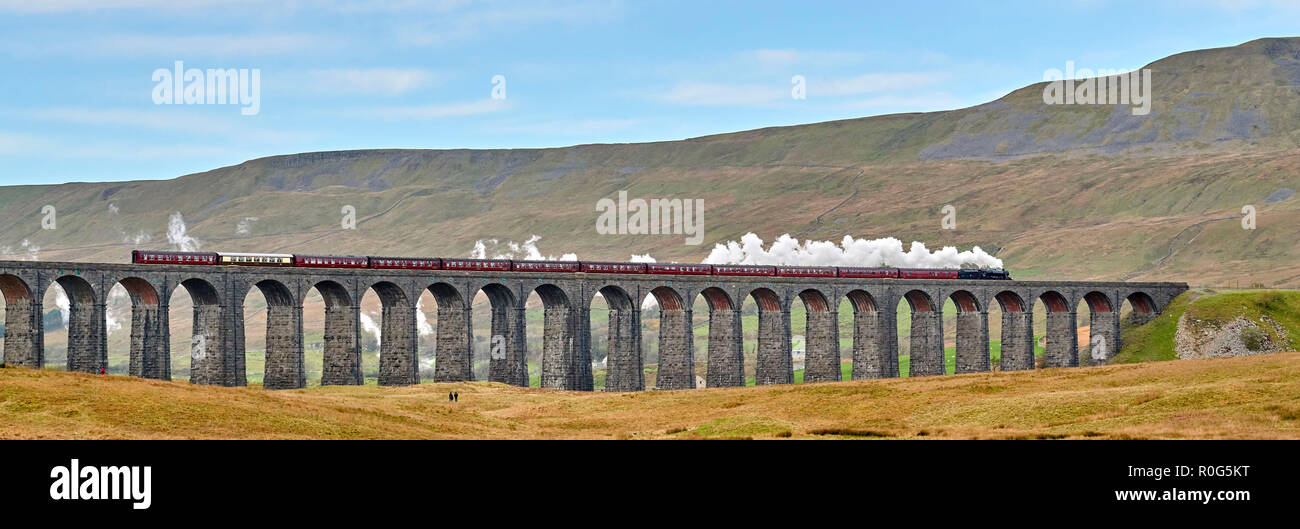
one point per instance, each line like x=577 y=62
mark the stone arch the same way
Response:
x=398 y=364
x=284 y=367
x=925 y=355
x=341 y=356
x=1017 y=332
x=875 y=354
x=1144 y=308
x=725 y=360
x=1054 y=301
x=624 y=365
x=22 y=323
x=774 y=362
x=676 y=345
x=972 y=346
x=507 y=362
x=149 y=355
x=1061 y=349
x=919 y=301
x=454 y=352
x=821 y=337
x=87 y=347
x=1103 y=329
x=560 y=369
x=206 y=337
x=201 y=291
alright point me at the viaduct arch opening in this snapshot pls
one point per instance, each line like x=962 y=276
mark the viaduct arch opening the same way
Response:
x=821 y=337
x=20 y=324
x=724 y=356
x=971 y=353
x=1017 y=336
x=559 y=369
x=773 y=359
x=1061 y=345
x=925 y=348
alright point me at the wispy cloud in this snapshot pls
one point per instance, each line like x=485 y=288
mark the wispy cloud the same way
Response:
x=718 y=94
x=380 y=81
x=500 y=19
x=723 y=94
x=166 y=119
x=874 y=83
x=908 y=103
x=418 y=112
x=172 y=47
x=40 y=147
x=571 y=128
x=805 y=58
x=64 y=6
x=210 y=45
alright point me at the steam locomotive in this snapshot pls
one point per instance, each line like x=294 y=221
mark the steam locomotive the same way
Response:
x=510 y=265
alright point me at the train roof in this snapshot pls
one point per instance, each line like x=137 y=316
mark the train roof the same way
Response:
x=244 y=254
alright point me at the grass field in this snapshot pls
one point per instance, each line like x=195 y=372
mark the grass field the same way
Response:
x=1243 y=397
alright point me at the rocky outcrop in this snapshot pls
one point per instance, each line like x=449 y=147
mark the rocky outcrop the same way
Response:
x=1214 y=339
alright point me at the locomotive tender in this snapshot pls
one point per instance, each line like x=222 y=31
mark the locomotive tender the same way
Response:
x=508 y=265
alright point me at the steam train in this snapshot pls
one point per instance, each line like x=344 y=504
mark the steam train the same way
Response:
x=510 y=265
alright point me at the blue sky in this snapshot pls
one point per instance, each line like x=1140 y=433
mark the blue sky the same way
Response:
x=76 y=96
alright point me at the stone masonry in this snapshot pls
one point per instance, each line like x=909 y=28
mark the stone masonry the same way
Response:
x=217 y=347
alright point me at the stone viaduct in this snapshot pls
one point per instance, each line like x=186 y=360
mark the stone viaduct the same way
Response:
x=218 y=345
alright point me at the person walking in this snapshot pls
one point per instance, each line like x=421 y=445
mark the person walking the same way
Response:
x=457 y=396
x=450 y=396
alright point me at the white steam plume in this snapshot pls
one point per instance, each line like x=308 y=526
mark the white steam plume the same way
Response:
x=245 y=226
x=368 y=325
x=642 y=258
x=113 y=310
x=512 y=250
x=422 y=319
x=135 y=239
x=177 y=237
x=61 y=300
x=787 y=250
x=33 y=251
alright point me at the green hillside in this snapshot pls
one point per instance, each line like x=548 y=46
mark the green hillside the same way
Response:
x=1155 y=198
x=1276 y=315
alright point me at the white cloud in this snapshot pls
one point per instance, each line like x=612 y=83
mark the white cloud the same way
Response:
x=721 y=94
x=908 y=103
x=382 y=81
x=483 y=106
x=717 y=94
x=584 y=126
x=468 y=24
x=14 y=145
x=62 y=6
x=209 y=45
x=168 y=119
x=17 y=143
x=873 y=83
x=805 y=58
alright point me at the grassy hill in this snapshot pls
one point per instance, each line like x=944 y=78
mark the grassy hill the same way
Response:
x=1274 y=314
x=1242 y=397
x=1078 y=192
x=1058 y=191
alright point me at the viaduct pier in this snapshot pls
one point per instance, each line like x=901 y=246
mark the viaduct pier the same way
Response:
x=218 y=293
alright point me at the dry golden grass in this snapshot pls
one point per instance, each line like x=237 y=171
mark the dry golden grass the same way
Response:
x=1246 y=397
